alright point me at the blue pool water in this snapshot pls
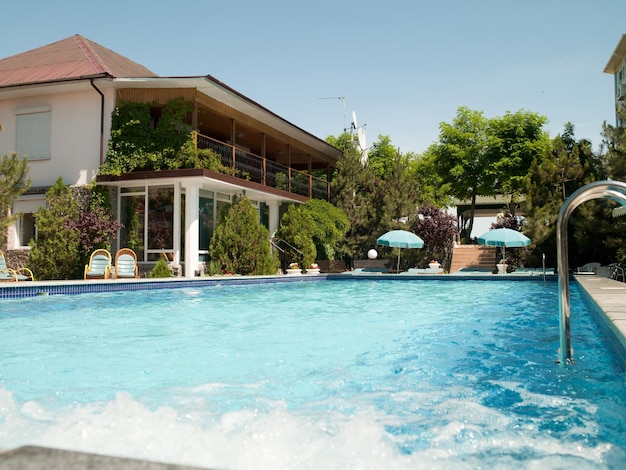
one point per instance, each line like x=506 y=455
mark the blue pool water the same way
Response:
x=343 y=374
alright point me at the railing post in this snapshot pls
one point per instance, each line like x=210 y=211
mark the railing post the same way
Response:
x=615 y=190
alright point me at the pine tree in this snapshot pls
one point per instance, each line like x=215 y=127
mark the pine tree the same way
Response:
x=352 y=188
x=240 y=243
x=13 y=184
x=55 y=254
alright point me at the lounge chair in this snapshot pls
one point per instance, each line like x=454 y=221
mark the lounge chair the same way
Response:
x=8 y=274
x=588 y=268
x=126 y=264
x=99 y=266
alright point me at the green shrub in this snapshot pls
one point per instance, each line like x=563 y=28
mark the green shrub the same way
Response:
x=241 y=244
x=161 y=269
x=56 y=252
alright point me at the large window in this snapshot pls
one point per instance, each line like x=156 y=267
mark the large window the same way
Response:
x=160 y=222
x=206 y=223
x=132 y=217
x=34 y=132
x=148 y=218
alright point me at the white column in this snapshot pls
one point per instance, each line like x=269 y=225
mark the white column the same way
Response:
x=177 y=223
x=273 y=216
x=192 y=229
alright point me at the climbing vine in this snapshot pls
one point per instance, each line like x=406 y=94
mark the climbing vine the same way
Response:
x=141 y=142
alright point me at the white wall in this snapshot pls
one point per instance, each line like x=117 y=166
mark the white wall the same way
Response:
x=75 y=135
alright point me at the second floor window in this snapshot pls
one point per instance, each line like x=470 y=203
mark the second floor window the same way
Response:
x=34 y=127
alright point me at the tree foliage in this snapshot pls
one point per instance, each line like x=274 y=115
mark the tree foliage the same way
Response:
x=13 y=183
x=565 y=166
x=312 y=231
x=462 y=159
x=437 y=228
x=240 y=243
x=477 y=156
x=298 y=229
x=352 y=187
x=71 y=226
x=55 y=253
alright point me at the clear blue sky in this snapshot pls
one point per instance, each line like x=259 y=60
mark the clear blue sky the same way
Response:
x=403 y=66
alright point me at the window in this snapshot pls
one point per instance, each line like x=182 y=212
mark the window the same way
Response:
x=26 y=228
x=34 y=132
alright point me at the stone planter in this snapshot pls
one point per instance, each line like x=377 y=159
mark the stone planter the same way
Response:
x=294 y=272
x=313 y=271
x=434 y=265
x=502 y=268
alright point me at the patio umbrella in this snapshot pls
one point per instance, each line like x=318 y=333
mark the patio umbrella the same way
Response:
x=400 y=239
x=504 y=237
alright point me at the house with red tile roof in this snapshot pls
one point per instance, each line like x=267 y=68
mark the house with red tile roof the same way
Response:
x=56 y=106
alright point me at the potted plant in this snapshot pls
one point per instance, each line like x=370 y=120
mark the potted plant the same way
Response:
x=434 y=264
x=502 y=266
x=314 y=268
x=294 y=268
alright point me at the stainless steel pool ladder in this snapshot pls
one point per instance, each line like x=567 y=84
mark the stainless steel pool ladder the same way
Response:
x=615 y=190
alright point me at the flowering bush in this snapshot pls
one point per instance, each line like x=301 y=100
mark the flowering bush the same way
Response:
x=293 y=266
x=314 y=266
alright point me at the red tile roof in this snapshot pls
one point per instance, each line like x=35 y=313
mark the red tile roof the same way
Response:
x=69 y=59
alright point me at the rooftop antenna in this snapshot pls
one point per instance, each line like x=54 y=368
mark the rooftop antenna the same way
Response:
x=354 y=127
x=343 y=103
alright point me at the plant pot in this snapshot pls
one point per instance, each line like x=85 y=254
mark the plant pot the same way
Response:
x=294 y=272
x=313 y=271
x=434 y=265
x=502 y=268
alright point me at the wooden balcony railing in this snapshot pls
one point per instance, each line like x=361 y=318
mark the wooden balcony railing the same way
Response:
x=251 y=167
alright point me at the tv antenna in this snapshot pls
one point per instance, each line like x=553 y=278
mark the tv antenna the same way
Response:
x=354 y=127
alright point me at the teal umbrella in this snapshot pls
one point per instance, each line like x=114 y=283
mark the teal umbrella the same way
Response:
x=400 y=239
x=504 y=237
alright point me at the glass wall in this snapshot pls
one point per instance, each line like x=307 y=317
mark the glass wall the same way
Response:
x=149 y=233
x=160 y=222
x=206 y=223
x=132 y=217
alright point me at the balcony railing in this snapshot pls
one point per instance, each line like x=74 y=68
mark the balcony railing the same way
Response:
x=251 y=167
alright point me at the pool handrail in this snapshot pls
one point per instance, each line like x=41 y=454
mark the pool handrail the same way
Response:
x=615 y=190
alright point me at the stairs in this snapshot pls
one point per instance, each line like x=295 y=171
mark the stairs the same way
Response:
x=473 y=256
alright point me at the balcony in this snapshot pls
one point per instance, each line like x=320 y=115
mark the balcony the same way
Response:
x=250 y=167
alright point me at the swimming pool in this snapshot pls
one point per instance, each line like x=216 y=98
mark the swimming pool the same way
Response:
x=335 y=374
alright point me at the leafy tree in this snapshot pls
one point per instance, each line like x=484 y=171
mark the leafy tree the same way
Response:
x=298 y=229
x=240 y=244
x=428 y=183
x=55 y=253
x=13 y=184
x=463 y=161
x=516 y=140
x=381 y=156
x=330 y=225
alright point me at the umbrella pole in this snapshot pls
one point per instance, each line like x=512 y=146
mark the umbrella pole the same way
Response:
x=398 y=267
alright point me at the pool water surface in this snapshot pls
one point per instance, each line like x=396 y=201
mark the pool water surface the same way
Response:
x=334 y=374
